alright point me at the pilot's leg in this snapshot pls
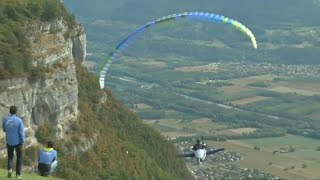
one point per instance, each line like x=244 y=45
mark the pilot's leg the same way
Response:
x=204 y=156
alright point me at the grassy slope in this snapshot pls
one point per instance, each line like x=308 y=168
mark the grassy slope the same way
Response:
x=26 y=176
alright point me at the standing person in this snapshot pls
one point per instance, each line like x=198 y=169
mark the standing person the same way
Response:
x=13 y=126
x=48 y=160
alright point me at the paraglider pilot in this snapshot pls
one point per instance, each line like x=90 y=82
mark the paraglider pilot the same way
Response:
x=199 y=145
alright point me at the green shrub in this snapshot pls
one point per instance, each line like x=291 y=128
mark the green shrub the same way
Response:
x=44 y=133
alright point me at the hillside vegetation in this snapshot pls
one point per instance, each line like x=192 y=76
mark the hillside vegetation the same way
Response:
x=14 y=18
x=125 y=147
x=120 y=145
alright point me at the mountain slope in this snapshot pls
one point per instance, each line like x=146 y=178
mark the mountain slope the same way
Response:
x=101 y=139
x=124 y=148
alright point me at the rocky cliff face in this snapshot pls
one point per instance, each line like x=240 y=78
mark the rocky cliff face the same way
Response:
x=53 y=97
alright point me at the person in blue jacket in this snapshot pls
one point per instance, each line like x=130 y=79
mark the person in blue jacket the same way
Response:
x=47 y=160
x=13 y=126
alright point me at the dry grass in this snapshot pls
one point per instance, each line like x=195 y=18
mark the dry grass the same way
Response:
x=63 y=63
x=45 y=39
x=46 y=44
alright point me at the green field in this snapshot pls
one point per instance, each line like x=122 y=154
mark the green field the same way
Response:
x=198 y=126
x=284 y=165
x=301 y=103
x=297 y=141
x=305 y=153
x=305 y=148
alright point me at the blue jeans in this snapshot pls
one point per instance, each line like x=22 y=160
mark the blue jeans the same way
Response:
x=53 y=166
x=18 y=149
x=47 y=169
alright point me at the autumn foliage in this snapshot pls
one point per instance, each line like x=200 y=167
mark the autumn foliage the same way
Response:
x=125 y=148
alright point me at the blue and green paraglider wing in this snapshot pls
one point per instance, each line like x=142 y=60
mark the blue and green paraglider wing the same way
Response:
x=204 y=16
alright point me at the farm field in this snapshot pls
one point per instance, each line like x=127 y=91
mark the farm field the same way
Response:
x=151 y=63
x=303 y=163
x=236 y=132
x=285 y=165
x=203 y=68
x=284 y=89
x=315 y=116
x=305 y=148
x=250 y=97
x=231 y=90
x=143 y=106
x=246 y=80
x=281 y=164
x=249 y=100
x=174 y=128
x=312 y=87
x=299 y=87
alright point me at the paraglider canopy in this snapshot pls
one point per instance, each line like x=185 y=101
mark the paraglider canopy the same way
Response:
x=204 y=16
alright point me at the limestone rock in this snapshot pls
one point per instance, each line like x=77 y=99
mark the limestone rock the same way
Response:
x=54 y=97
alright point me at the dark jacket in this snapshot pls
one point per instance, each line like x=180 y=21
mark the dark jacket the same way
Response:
x=198 y=146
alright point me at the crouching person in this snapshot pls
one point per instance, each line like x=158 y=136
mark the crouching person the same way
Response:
x=48 y=160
